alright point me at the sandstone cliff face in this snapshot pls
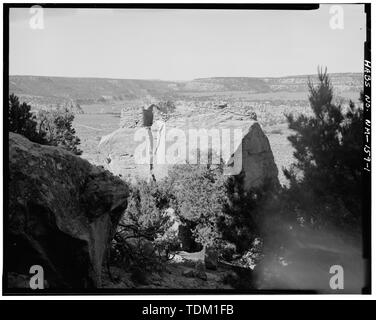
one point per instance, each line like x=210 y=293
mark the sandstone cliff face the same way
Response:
x=62 y=214
x=255 y=156
x=246 y=150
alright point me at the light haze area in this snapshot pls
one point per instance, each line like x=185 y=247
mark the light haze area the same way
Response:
x=185 y=44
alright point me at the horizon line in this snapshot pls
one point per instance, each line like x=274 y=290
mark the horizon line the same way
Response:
x=192 y=79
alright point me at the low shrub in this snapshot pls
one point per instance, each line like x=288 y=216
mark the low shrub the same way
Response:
x=144 y=238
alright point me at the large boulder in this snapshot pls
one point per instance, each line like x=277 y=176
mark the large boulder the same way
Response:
x=62 y=212
x=245 y=151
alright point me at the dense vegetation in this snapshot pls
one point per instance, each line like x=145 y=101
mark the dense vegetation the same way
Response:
x=214 y=212
x=325 y=181
x=52 y=127
x=21 y=120
x=196 y=207
x=326 y=178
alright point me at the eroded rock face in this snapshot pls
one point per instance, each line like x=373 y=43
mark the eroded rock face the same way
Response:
x=245 y=151
x=257 y=160
x=62 y=213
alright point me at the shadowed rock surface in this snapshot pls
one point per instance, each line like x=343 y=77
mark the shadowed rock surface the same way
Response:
x=62 y=213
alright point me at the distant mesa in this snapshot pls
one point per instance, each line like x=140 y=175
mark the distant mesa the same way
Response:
x=94 y=90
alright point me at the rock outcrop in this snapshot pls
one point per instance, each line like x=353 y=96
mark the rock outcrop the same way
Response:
x=62 y=212
x=238 y=140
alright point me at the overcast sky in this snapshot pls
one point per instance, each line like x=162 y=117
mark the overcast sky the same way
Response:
x=184 y=44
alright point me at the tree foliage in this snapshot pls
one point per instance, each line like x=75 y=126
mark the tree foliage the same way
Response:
x=326 y=178
x=58 y=129
x=52 y=127
x=22 y=121
x=199 y=195
x=240 y=218
x=220 y=213
x=145 y=237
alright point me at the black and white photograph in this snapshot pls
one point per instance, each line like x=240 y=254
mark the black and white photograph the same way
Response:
x=186 y=149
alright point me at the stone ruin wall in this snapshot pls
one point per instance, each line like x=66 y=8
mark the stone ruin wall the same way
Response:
x=131 y=116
